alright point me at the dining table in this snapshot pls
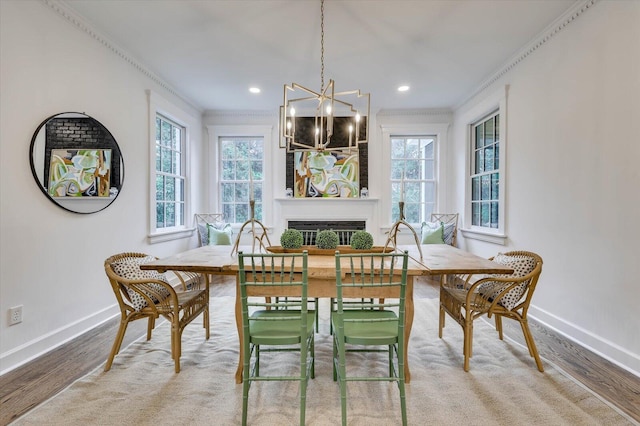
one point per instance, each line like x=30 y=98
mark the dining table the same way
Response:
x=430 y=259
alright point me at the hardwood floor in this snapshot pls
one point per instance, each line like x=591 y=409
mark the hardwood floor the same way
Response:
x=27 y=386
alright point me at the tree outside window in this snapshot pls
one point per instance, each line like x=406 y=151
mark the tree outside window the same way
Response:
x=241 y=168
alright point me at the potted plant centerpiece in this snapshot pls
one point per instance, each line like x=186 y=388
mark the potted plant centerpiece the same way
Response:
x=291 y=239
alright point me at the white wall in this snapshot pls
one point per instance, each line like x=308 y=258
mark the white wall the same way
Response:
x=52 y=260
x=573 y=176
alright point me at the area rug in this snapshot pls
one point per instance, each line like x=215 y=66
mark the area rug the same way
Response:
x=503 y=386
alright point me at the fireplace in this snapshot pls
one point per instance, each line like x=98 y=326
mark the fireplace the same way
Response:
x=320 y=225
x=311 y=214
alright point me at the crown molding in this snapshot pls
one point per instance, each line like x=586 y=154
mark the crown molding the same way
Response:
x=414 y=113
x=542 y=38
x=68 y=14
x=241 y=113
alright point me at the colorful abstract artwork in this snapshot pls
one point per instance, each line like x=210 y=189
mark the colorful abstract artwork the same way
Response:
x=326 y=174
x=79 y=172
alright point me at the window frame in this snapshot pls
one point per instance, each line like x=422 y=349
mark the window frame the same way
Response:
x=160 y=106
x=494 y=105
x=265 y=132
x=439 y=131
x=397 y=182
x=180 y=175
x=254 y=178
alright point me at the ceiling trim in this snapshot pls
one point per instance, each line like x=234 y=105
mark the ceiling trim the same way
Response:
x=66 y=12
x=428 y=112
x=553 y=29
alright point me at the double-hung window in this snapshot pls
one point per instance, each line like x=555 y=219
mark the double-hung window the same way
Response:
x=413 y=177
x=241 y=176
x=169 y=174
x=485 y=172
x=485 y=207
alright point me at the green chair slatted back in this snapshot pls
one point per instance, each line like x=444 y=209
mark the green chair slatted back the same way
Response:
x=367 y=329
x=278 y=323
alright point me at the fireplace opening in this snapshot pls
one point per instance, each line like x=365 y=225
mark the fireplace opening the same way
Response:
x=344 y=229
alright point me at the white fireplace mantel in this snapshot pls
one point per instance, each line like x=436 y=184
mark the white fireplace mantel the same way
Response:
x=323 y=209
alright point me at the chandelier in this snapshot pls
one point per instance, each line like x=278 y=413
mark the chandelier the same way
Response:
x=326 y=120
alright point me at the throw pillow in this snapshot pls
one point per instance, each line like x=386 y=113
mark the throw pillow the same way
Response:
x=432 y=233
x=447 y=232
x=130 y=269
x=204 y=234
x=219 y=236
x=522 y=266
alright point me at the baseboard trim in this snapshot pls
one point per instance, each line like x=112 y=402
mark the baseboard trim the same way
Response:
x=35 y=348
x=608 y=350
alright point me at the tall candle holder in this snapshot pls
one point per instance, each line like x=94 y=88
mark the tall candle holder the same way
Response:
x=393 y=232
x=259 y=238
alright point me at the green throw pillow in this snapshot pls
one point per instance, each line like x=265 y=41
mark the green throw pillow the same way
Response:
x=432 y=233
x=219 y=236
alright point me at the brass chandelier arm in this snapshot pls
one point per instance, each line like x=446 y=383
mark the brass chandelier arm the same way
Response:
x=300 y=103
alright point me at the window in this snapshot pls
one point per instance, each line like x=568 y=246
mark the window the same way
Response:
x=413 y=166
x=485 y=172
x=241 y=174
x=169 y=173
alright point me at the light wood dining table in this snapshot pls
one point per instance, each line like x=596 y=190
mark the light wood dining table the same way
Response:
x=437 y=259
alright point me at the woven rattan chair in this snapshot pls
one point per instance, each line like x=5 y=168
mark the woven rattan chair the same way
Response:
x=283 y=325
x=450 y=219
x=466 y=298
x=380 y=329
x=147 y=294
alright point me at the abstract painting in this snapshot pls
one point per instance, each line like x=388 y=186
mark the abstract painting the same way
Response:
x=326 y=174
x=79 y=172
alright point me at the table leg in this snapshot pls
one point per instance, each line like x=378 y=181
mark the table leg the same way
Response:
x=408 y=323
x=239 y=326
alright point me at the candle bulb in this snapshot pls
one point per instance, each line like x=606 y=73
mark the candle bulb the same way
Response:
x=350 y=133
x=292 y=113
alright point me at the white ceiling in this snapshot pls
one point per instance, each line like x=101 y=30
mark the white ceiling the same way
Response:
x=212 y=51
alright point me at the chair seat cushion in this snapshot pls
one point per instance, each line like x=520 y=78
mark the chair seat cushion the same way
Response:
x=278 y=327
x=129 y=268
x=368 y=327
x=522 y=266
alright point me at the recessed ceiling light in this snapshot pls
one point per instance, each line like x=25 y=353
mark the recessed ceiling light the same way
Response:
x=254 y=89
x=403 y=88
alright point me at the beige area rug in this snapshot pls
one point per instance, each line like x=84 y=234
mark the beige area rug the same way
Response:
x=503 y=386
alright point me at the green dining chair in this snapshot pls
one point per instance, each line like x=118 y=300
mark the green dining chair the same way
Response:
x=380 y=329
x=277 y=324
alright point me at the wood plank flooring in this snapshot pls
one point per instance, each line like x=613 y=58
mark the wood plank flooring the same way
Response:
x=27 y=386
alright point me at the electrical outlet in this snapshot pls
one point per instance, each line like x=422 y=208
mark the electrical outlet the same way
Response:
x=15 y=315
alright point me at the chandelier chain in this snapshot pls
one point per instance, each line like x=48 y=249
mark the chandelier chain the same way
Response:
x=321 y=45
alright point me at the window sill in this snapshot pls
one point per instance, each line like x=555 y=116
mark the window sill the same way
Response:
x=161 y=237
x=488 y=237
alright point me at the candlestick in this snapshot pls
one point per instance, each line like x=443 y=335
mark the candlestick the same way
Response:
x=250 y=183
